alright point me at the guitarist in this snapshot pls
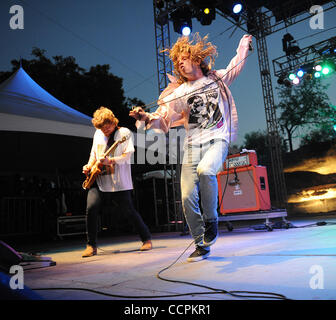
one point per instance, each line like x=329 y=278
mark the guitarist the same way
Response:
x=115 y=180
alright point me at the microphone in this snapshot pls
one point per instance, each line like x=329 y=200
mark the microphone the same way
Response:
x=250 y=46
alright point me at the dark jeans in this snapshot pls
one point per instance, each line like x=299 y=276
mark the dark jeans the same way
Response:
x=95 y=200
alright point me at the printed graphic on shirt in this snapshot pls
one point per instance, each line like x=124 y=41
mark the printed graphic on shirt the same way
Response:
x=204 y=109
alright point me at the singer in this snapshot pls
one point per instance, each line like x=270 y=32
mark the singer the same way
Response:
x=199 y=98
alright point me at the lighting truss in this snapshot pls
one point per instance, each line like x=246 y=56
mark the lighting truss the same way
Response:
x=313 y=53
x=281 y=15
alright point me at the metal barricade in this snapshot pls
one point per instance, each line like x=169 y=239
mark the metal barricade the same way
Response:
x=22 y=216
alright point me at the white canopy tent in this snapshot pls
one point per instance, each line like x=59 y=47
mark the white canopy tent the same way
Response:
x=25 y=106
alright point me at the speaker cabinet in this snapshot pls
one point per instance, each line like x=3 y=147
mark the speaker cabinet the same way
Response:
x=243 y=189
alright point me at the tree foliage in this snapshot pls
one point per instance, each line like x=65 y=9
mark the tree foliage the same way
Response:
x=259 y=141
x=82 y=90
x=306 y=105
x=318 y=136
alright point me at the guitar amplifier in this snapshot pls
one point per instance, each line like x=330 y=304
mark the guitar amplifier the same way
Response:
x=242 y=159
x=247 y=189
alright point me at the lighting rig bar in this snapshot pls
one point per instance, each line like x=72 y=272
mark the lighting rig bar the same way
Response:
x=276 y=15
x=314 y=53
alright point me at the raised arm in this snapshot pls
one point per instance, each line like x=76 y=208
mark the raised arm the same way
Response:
x=237 y=63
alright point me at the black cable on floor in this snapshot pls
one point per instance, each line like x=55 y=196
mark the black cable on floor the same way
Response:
x=236 y=293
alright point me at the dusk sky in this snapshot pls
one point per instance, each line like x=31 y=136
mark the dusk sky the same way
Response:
x=121 y=34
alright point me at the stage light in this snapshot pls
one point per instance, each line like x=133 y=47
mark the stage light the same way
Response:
x=296 y=80
x=300 y=73
x=182 y=20
x=291 y=76
x=318 y=67
x=288 y=45
x=159 y=4
x=308 y=76
x=206 y=15
x=237 y=8
x=283 y=81
x=185 y=30
x=325 y=70
x=231 y=8
x=317 y=74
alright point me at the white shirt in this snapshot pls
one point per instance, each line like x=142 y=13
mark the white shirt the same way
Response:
x=202 y=99
x=121 y=179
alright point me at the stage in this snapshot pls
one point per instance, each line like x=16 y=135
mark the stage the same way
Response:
x=298 y=263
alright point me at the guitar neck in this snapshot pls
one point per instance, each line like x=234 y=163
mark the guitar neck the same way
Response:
x=114 y=146
x=111 y=149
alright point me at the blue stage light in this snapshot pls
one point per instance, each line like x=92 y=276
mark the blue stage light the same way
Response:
x=300 y=73
x=237 y=8
x=186 y=30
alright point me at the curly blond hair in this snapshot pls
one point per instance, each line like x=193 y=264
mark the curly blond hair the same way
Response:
x=198 y=49
x=104 y=116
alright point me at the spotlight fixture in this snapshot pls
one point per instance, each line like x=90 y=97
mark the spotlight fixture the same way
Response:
x=318 y=67
x=296 y=80
x=185 y=29
x=205 y=11
x=206 y=15
x=325 y=70
x=292 y=76
x=328 y=66
x=300 y=73
x=282 y=80
x=237 y=8
x=159 y=4
x=287 y=45
x=231 y=8
x=182 y=20
x=308 y=76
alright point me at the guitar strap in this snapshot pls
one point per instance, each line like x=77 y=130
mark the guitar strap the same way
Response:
x=110 y=141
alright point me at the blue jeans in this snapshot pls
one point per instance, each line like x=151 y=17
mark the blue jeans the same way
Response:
x=198 y=176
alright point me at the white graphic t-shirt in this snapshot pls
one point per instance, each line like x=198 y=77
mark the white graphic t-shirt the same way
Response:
x=202 y=99
x=121 y=179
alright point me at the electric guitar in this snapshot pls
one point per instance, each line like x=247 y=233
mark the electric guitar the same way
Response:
x=96 y=169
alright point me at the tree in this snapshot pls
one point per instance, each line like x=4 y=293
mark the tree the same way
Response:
x=306 y=105
x=258 y=141
x=82 y=90
x=318 y=136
